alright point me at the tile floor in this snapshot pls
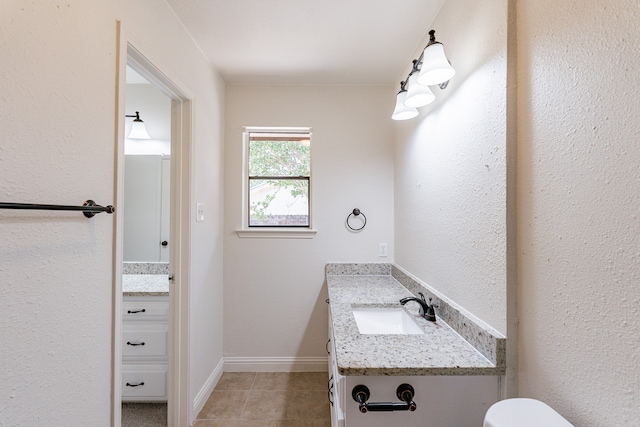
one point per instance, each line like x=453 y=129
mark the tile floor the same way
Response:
x=267 y=399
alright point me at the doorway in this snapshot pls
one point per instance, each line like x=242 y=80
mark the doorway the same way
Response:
x=146 y=253
x=179 y=183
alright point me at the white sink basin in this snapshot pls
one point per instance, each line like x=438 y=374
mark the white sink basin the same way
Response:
x=385 y=321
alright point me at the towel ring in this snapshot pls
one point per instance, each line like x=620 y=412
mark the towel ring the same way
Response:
x=356 y=212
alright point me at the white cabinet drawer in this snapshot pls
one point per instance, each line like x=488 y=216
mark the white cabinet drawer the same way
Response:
x=144 y=382
x=144 y=340
x=145 y=331
x=141 y=308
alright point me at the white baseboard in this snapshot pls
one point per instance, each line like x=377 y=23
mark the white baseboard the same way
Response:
x=205 y=391
x=275 y=364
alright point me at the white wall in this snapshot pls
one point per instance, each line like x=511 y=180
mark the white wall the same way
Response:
x=58 y=146
x=578 y=208
x=274 y=294
x=576 y=193
x=450 y=167
x=155 y=26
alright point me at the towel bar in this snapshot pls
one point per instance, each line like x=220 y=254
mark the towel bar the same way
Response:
x=88 y=208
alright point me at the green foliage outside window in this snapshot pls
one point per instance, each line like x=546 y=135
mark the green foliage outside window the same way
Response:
x=283 y=164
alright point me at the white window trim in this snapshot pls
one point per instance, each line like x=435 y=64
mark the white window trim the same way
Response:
x=271 y=232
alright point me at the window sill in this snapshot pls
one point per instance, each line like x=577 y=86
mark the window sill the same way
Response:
x=277 y=233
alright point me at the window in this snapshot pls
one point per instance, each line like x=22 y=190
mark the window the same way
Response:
x=278 y=177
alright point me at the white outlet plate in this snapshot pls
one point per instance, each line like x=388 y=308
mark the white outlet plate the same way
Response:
x=382 y=250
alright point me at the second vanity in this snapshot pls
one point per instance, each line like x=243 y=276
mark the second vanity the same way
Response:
x=145 y=329
x=453 y=368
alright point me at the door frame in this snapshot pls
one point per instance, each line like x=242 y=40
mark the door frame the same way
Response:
x=131 y=52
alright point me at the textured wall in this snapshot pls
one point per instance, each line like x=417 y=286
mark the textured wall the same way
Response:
x=57 y=115
x=579 y=208
x=55 y=267
x=450 y=167
x=274 y=292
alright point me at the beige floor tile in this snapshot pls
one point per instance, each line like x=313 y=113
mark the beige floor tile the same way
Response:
x=217 y=423
x=267 y=399
x=303 y=381
x=224 y=404
x=307 y=405
x=265 y=405
x=286 y=423
x=286 y=405
x=236 y=381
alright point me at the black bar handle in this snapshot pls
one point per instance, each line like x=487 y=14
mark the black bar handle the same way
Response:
x=387 y=406
x=136 y=311
x=135 y=343
x=88 y=208
x=405 y=392
x=135 y=385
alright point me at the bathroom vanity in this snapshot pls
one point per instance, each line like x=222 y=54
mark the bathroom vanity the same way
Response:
x=145 y=328
x=453 y=380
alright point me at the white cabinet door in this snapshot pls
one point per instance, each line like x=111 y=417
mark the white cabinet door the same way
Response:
x=451 y=401
x=165 y=208
x=146 y=208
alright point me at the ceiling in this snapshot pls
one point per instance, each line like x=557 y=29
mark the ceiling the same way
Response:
x=370 y=42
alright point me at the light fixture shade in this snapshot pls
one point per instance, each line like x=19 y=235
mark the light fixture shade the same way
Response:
x=401 y=111
x=138 y=130
x=436 y=68
x=418 y=95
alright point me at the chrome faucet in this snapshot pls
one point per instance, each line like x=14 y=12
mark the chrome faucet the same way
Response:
x=428 y=311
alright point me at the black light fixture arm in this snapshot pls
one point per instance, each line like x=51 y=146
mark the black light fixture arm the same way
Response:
x=414 y=69
x=136 y=115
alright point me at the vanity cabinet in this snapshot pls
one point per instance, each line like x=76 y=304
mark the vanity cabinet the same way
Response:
x=441 y=400
x=145 y=330
x=337 y=384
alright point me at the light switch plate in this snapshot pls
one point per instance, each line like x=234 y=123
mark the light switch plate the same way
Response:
x=199 y=212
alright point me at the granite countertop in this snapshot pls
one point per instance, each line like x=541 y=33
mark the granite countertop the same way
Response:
x=145 y=284
x=440 y=351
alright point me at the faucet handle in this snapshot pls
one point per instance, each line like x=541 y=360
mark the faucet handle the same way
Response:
x=430 y=314
x=422 y=297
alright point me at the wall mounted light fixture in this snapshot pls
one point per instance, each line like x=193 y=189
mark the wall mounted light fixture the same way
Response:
x=432 y=68
x=138 y=130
